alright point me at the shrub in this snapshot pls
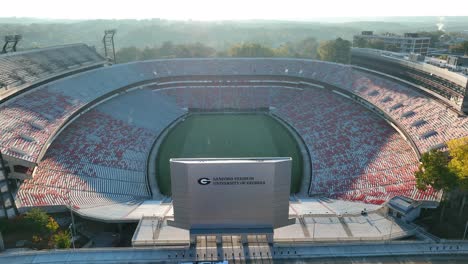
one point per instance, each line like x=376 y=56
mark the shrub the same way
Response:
x=61 y=240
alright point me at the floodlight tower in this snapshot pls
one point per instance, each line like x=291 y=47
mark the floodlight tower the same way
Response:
x=10 y=43
x=109 y=48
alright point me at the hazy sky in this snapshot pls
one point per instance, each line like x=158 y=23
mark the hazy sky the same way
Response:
x=227 y=10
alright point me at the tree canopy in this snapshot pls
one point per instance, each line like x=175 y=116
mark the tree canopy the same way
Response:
x=445 y=171
x=166 y=50
x=250 y=50
x=460 y=47
x=376 y=44
x=335 y=50
x=42 y=228
x=458 y=164
x=306 y=48
x=434 y=172
x=37 y=220
x=61 y=240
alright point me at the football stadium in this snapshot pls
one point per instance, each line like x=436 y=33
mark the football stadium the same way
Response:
x=80 y=134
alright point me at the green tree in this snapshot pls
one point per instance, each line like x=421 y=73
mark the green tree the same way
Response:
x=41 y=224
x=195 y=50
x=166 y=49
x=250 y=50
x=361 y=43
x=465 y=47
x=222 y=54
x=434 y=172
x=376 y=44
x=442 y=57
x=343 y=50
x=200 y=50
x=307 y=48
x=149 y=53
x=392 y=47
x=326 y=51
x=61 y=240
x=52 y=226
x=458 y=149
x=128 y=54
x=37 y=220
x=335 y=50
x=285 y=50
x=4 y=224
x=460 y=48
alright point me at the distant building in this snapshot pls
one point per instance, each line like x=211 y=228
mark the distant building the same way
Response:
x=409 y=43
x=445 y=82
x=458 y=61
x=416 y=57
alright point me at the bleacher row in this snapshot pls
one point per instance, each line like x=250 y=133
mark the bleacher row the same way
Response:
x=351 y=148
x=240 y=97
x=37 y=114
x=429 y=123
x=77 y=91
x=28 y=121
x=47 y=196
x=104 y=152
x=106 y=148
x=23 y=68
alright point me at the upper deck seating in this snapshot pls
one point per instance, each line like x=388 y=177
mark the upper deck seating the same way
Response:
x=19 y=70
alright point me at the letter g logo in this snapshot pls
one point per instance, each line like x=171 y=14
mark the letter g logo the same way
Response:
x=204 y=181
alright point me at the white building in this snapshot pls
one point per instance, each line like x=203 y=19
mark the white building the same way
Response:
x=408 y=43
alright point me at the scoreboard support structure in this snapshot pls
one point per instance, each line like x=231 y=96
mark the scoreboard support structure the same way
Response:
x=243 y=233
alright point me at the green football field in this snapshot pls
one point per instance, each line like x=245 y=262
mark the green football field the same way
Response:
x=227 y=136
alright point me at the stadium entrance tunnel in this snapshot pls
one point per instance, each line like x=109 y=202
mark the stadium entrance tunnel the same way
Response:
x=222 y=134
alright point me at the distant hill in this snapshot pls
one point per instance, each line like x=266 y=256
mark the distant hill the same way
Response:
x=30 y=20
x=217 y=34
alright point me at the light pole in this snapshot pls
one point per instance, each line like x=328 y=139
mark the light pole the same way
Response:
x=72 y=225
x=72 y=237
x=466 y=228
x=152 y=229
x=391 y=229
x=313 y=230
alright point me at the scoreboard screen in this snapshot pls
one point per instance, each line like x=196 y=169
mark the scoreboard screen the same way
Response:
x=231 y=193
